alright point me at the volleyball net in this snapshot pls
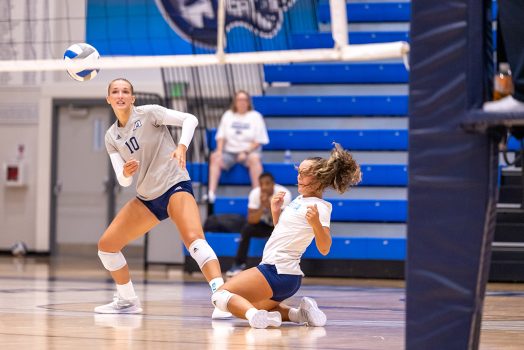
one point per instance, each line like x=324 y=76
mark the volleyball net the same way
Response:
x=170 y=33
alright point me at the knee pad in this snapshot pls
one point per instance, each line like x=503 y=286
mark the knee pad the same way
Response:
x=112 y=261
x=201 y=252
x=220 y=298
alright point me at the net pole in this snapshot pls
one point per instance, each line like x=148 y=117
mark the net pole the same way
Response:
x=339 y=23
x=221 y=30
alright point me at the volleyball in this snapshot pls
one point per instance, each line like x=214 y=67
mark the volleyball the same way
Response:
x=81 y=51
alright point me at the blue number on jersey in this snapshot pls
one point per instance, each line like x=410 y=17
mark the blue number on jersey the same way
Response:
x=132 y=145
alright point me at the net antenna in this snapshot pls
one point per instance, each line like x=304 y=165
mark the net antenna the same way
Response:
x=342 y=51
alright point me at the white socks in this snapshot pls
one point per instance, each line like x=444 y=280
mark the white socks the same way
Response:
x=250 y=313
x=126 y=291
x=216 y=283
x=294 y=315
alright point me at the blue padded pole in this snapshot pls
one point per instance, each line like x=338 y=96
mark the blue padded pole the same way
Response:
x=452 y=177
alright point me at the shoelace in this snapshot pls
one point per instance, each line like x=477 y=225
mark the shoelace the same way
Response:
x=121 y=303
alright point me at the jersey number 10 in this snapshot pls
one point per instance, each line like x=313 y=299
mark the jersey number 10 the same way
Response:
x=132 y=144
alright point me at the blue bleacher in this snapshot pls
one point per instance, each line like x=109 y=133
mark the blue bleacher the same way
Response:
x=325 y=40
x=337 y=73
x=513 y=144
x=331 y=105
x=369 y=12
x=376 y=12
x=357 y=248
x=286 y=174
x=361 y=140
x=355 y=140
x=355 y=210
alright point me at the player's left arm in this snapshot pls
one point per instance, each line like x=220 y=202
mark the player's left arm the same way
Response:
x=188 y=122
x=322 y=233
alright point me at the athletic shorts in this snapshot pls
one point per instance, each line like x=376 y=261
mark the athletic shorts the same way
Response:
x=229 y=159
x=158 y=206
x=283 y=286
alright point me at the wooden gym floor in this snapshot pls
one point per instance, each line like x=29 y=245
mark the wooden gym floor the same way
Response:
x=47 y=304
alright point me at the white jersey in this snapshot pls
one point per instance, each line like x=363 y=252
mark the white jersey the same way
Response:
x=240 y=130
x=293 y=234
x=254 y=202
x=146 y=139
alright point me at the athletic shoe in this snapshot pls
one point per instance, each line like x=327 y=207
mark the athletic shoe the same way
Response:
x=310 y=313
x=210 y=197
x=507 y=104
x=220 y=315
x=264 y=319
x=120 y=306
x=235 y=270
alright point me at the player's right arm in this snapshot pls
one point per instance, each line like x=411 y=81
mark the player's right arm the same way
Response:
x=276 y=206
x=123 y=170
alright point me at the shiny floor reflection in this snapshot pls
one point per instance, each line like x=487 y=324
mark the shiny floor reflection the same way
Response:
x=47 y=304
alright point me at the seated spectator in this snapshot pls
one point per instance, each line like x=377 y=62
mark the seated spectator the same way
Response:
x=239 y=137
x=512 y=33
x=259 y=219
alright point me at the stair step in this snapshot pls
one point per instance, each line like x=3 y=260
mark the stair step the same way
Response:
x=510 y=194
x=510 y=215
x=511 y=178
x=509 y=232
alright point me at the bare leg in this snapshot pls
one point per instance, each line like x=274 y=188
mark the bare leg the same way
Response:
x=183 y=210
x=215 y=169
x=280 y=307
x=133 y=221
x=250 y=288
x=254 y=164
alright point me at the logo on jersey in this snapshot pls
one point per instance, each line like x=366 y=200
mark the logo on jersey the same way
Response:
x=196 y=20
x=118 y=137
x=294 y=205
x=138 y=124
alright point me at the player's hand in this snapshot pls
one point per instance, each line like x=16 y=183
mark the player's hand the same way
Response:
x=277 y=201
x=180 y=155
x=312 y=215
x=131 y=167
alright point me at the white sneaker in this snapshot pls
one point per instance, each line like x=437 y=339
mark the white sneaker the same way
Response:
x=210 y=197
x=507 y=104
x=264 y=319
x=310 y=313
x=220 y=315
x=120 y=306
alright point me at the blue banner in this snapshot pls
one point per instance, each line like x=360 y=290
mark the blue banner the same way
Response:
x=169 y=27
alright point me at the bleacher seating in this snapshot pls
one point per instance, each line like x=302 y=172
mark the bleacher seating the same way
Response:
x=369 y=12
x=352 y=254
x=375 y=11
x=319 y=106
x=286 y=174
x=343 y=209
x=325 y=40
x=361 y=140
x=337 y=73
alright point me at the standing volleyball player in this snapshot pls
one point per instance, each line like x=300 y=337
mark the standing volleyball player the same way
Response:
x=140 y=145
x=256 y=294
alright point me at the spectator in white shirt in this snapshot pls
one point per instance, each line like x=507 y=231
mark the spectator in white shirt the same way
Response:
x=259 y=218
x=239 y=138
